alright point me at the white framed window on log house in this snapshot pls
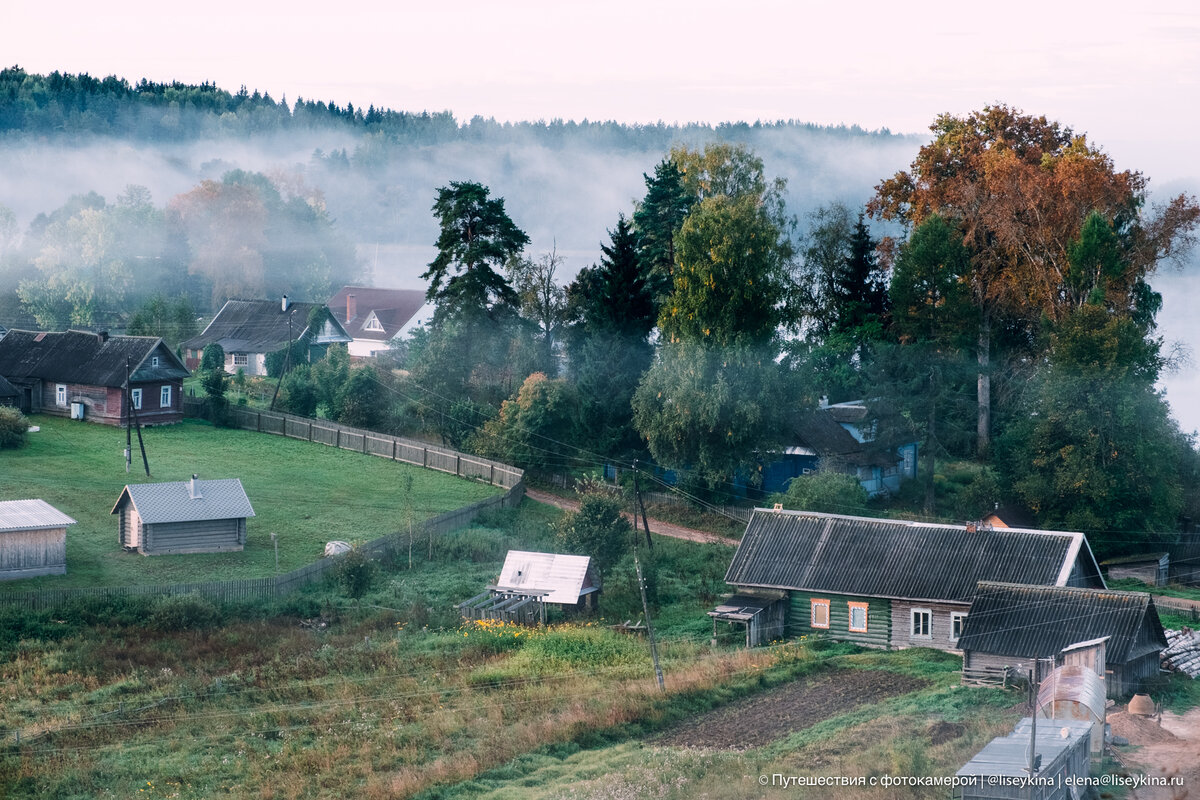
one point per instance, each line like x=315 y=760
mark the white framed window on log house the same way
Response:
x=922 y=623
x=858 y=617
x=154 y=361
x=60 y=395
x=820 y=613
x=240 y=359
x=136 y=395
x=957 y=620
x=164 y=397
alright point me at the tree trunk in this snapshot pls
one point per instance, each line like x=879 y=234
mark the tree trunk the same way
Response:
x=983 y=425
x=931 y=443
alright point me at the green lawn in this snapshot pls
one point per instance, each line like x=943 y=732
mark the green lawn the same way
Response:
x=306 y=493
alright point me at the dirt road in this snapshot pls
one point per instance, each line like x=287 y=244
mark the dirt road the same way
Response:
x=656 y=525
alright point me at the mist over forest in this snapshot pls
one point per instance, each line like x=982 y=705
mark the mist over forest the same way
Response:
x=370 y=177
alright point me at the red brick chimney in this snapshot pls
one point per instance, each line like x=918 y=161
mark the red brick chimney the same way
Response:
x=351 y=307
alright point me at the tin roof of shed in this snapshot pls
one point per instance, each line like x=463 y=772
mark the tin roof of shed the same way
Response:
x=896 y=558
x=564 y=577
x=1041 y=621
x=172 y=502
x=31 y=515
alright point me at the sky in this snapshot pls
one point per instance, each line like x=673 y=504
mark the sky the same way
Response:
x=1128 y=78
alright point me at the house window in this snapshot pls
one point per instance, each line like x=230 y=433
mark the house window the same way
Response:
x=858 y=617
x=154 y=361
x=60 y=395
x=372 y=323
x=136 y=394
x=240 y=359
x=164 y=397
x=957 y=620
x=922 y=623
x=820 y=613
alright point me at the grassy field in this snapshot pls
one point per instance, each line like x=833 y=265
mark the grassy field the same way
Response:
x=308 y=494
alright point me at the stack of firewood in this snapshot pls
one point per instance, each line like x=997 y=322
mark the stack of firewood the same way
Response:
x=1183 y=652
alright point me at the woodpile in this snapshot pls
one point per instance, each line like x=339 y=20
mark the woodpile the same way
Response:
x=1183 y=652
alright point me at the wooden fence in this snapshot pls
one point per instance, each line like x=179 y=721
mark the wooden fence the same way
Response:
x=260 y=589
x=344 y=437
x=740 y=513
x=1178 y=605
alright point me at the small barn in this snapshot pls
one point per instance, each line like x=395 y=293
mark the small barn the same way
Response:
x=33 y=539
x=1149 y=568
x=762 y=614
x=529 y=582
x=1001 y=769
x=1117 y=634
x=193 y=516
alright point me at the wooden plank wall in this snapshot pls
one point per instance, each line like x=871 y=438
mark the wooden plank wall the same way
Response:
x=879 y=619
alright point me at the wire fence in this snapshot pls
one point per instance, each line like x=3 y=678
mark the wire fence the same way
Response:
x=262 y=589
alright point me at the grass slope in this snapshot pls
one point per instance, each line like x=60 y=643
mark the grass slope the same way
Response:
x=308 y=494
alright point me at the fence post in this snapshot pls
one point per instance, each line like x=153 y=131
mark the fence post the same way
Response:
x=337 y=442
x=394 y=448
x=310 y=430
x=425 y=457
x=492 y=475
x=259 y=424
x=458 y=465
x=364 y=444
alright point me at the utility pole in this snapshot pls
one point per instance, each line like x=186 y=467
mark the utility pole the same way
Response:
x=649 y=625
x=637 y=490
x=1034 y=681
x=287 y=361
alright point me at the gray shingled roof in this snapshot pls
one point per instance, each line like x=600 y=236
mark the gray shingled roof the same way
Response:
x=172 y=502
x=95 y=359
x=1029 y=621
x=261 y=326
x=895 y=558
x=31 y=515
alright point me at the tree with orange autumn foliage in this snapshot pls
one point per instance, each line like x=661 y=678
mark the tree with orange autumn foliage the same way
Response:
x=1019 y=188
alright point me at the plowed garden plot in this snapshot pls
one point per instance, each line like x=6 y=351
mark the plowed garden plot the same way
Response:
x=759 y=720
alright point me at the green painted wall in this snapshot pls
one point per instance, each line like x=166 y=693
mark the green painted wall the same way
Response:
x=879 y=618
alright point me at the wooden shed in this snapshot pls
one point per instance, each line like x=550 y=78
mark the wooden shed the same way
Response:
x=1118 y=634
x=531 y=581
x=1149 y=568
x=183 y=517
x=762 y=614
x=33 y=539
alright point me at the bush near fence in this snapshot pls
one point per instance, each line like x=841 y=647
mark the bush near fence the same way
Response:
x=262 y=589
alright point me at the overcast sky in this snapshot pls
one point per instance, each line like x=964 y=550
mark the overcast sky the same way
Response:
x=1128 y=78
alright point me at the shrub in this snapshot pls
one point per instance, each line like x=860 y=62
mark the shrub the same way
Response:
x=185 y=612
x=828 y=492
x=13 y=428
x=355 y=573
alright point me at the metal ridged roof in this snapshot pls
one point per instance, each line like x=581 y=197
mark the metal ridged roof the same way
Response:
x=31 y=515
x=172 y=502
x=1040 y=621
x=564 y=577
x=81 y=357
x=892 y=558
x=262 y=326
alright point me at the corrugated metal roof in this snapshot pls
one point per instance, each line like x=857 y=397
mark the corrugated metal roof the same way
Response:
x=173 y=502
x=893 y=558
x=563 y=576
x=1008 y=755
x=261 y=326
x=1040 y=621
x=88 y=358
x=31 y=515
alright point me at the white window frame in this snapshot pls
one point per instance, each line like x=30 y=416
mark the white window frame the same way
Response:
x=136 y=396
x=164 y=396
x=154 y=361
x=60 y=395
x=814 y=604
x=373 y=323
x=241 y=360
x=920 y=623
x=865 y=608
x=958 y=621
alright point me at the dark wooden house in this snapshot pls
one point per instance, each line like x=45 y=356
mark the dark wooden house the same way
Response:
x=33 y=539
x=183 y=517
x=249 y=330
x=82 y=375
x=9 y=395
x=893 y=583
x=1009 y=625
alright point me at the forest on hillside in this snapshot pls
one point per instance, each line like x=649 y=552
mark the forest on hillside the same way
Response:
x=990 y=297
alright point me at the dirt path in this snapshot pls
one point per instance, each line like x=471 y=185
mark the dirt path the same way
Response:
x=656 y=525
x=764 y=718
x=1169 y=750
